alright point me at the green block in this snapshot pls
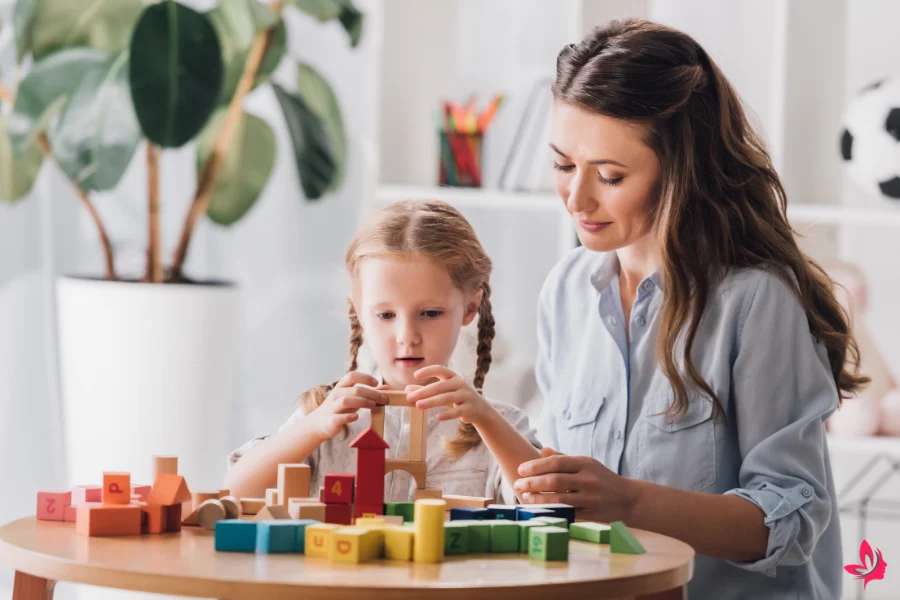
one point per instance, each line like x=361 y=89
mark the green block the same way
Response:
x=548 y=543
x=524 y=526
x=479 y=535
x=590 y=532
x=401 y=509
x=504 y=536
x=552 y=521
x=456 y=537
x=622 y=541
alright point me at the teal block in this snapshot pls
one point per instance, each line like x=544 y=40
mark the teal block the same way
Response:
x=590 y=532
x=622 y=541
x=278 y=536
x=479 y=535
x=548 y=543
x=235 y=535
x=456 y=537
x=524 y=526
x=552 y=521
x=504 y=536
x=301 y=532
x=402 y=509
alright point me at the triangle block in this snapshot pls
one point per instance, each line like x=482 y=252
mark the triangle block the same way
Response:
x=622 y=541
x=169 y=490
x=272 y=512
x=369 y=439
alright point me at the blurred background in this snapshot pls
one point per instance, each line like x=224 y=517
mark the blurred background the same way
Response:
x=221 y=364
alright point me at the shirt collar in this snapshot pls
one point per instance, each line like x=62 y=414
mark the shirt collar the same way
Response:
x=607 y=268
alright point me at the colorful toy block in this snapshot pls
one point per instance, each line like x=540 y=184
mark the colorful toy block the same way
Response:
x=363 y=521
x=173 y=518
x=51 y=506
x=479 y=536
x=293 y=482
x=504 y=536
x=153 y=518
x=319 y=539
x=164 y=465
x=398 y=543
x=590 y=532
x=224 y=492
x=416 y=468
x=466 y=513
x=565 y=511
x=455 y=501
x=251 y=506
x=71 y=512
x=192 y=519
x=370 y=451
x=272 y=512
x=236 y=535
x=307 y=510
x=232 y=506
x=82 y=494
x=428 y=494
x=198 y=498
x=368 y=510
x=373 y=541
x=116 y=488
x=108 y=520
x=339 y=514
x=622 y=541
x=404 y=509
x=168 y=490
x=428 y=544
x=524 y=513
x=271 y=496
x=142 y=492
x=548 y=543
x=211 y=512
x=418 y=435
x=456 y=538
x=502 y=511
x=278 y=536
x=348 y=545
x=553 y=521
x=524 y=527
x=338 y=488
x=392 y=520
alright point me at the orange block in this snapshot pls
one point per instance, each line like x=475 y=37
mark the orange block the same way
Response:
x=173 y=518
x=153 y=518
x=169 y=489
x=116 y=488
x=141 y=491
x=108 y=519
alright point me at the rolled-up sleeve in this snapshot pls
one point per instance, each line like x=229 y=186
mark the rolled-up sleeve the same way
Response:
x=783 y=393
x=543 y=363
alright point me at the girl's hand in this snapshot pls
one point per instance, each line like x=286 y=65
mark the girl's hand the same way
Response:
x=597 y=493
x=451 y=391
x=343 y=403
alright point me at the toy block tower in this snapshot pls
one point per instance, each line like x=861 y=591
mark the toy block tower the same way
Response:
x=370 y=450
x=169 y=492
x=337 y=492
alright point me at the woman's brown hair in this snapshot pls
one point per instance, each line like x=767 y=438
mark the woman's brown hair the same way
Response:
x=437 y=231
x=721 y=204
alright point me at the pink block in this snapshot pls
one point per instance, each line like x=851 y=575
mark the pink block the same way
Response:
x=141 y=490
x=82 y=494
x=72 y=511
x=51 y=506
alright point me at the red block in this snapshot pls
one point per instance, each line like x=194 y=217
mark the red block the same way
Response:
x=370 y=448
x=141 y=491
x=82 y=494
x=51 y=506
x=173 y=518
x=363 y=510
x=339 y=514
x=338 y=488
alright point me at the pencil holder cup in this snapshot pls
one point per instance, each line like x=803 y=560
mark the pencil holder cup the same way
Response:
x=460 y=159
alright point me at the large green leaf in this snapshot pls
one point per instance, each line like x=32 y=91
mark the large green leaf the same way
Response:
x=318 y=96
x=45 y=89
x=98 y=132
x=313 y=152
x=102 y=24
x=237 y=22
x=343 y=10
x=23 y=19
x=246 y=167
x=17 y=173
x=175 y=72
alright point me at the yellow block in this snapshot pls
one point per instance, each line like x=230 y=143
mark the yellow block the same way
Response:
x=349 y=544
x=398 y=542
x=428 y=543
x=369 y=521
x=374 y=541
x=318 y=539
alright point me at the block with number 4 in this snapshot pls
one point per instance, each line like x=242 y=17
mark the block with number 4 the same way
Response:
x=338 y=488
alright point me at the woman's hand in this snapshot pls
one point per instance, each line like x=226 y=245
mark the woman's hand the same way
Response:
x=451 y=391
x=597 y=493
x=342 y=405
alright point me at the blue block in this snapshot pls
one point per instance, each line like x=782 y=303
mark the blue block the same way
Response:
x=301 y=532
x=235 y=535
x=466 y=513
x=502 y=511
x=528 y=512
x=281 y=535
x=564 y=511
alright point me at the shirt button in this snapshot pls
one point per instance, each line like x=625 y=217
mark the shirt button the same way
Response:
x=640 y=321
x=618 y=434
x=806 y=492
x=612 y=321
x=646 y=286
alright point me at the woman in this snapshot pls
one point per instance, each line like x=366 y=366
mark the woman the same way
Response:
x=689 y=352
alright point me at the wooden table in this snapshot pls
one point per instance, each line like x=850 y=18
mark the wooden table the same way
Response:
x=43 y=552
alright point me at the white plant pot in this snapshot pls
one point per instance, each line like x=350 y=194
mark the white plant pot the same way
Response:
x=146 y=369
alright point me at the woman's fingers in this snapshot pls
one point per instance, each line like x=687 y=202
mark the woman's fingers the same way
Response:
x=433 y=389
x=572 y=499
x=554 y=482
x=557 y=463
x=357 y=377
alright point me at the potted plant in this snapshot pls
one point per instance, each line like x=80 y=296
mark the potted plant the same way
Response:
x=146 y=365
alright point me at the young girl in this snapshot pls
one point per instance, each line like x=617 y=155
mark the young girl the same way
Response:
x=418 y=275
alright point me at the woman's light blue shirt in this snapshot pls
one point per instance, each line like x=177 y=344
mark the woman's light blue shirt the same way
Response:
x=606 y=399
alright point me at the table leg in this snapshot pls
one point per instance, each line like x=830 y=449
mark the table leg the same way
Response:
x=679 y=593
x=29 y=587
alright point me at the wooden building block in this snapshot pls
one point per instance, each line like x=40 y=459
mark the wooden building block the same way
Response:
x=548 y=543
x=363 y=521
x=70 y=513
x=348 y=545
x=456 y=538
x=272 y=512
x=209 y=513
x=370 y=451
x=235 y=535
x=293 y=482
x=168 y=490
x=192 y=520
x=307 y=510
x=428 y=494
x=173 y=518
x=339 y=514
x=376 y=419
x=418 y=469
x=198 y=498
x=338 y=488
x=251 y=506
x=82 y=494
x=396 y=397
x=418 y=435
x=454 y=501
x=319 y=539
x=142 y=491
x=224 y=492
x=406 y=510
x=51 y=506
x=622 y=541
x=277 y=536
x=524 y=528
x=554 y=521
x=116 y=488
x=302 y=524
x=589 y=532
x=368 y=510
x=398 y=543
x=108 y=520
x=565 y=511
x=479 y=535
x=428 y=544
x=525 y=513
x=271 y=496
x=467 y=513
x=164 y=465
x=393 y=520
x=232 y=506
x=153 y=518
x=502 y=511
x=504 y=536
x=321 y=494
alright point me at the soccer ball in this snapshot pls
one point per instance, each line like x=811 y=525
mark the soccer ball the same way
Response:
x=870 y=141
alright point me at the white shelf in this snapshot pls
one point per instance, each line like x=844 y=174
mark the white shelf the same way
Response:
x=806 y=214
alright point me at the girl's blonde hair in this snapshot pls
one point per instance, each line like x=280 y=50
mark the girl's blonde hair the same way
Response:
x=437 y=231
